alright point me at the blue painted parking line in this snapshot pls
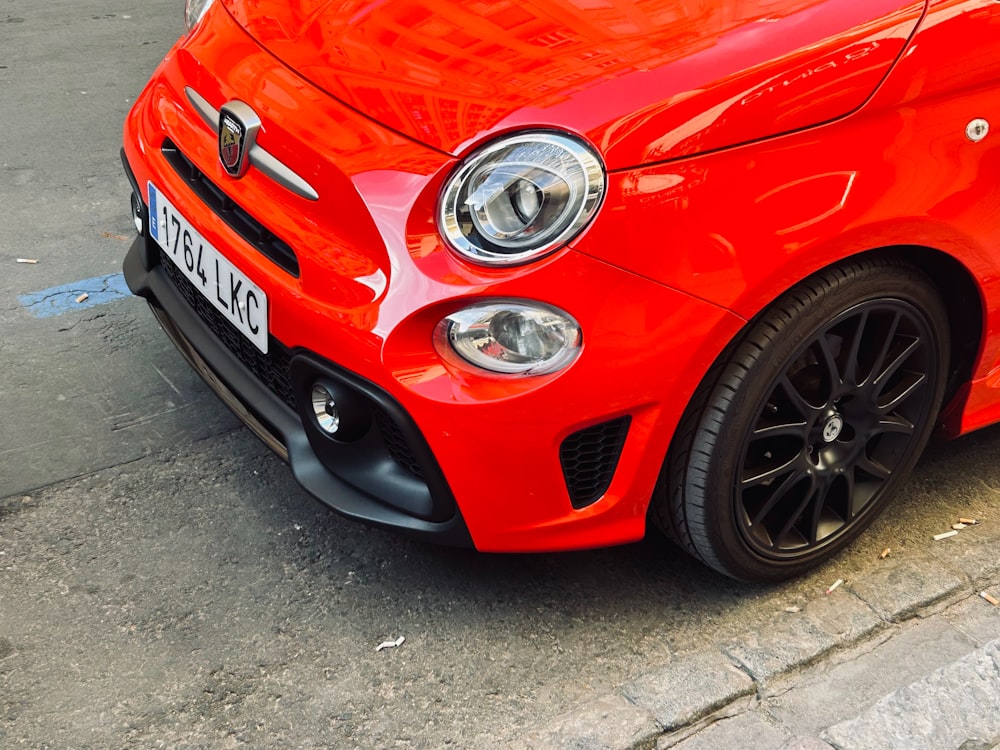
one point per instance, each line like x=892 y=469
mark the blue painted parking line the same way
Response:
x=58 y=300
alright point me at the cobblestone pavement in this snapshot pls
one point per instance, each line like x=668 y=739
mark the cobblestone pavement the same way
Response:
x=906 y=656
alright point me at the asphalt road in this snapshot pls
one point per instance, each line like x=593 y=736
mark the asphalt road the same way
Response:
x=163 y=581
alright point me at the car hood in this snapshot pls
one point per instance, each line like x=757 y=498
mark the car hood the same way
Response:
x=644 y=81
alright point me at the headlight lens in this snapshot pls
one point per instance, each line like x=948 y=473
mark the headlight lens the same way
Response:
x=194 y=10
x=521 y=198
x=511 y=337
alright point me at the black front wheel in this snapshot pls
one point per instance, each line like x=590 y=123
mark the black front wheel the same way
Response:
x=801 y=434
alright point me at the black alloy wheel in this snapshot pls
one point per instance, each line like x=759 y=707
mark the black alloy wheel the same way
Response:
x=800 y=434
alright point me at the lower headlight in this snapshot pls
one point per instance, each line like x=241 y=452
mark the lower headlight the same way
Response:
x=511 y=337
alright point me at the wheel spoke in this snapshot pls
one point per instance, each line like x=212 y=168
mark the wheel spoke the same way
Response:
x=886 y=345
x=829 y=361
x=867 y=477
x=886 y=375
x=894 y=424
x=873 y=467
x=765 y=475
x=853 y=494
x=787 y=429
x=816 y=517
x=815 y=490
x=851 y=362
x=777 y=495
x=795 y=397
x=904 y=393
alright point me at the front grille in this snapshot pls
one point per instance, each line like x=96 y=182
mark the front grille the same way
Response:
x=589 y=459
x=271 y=369
x=245 y=225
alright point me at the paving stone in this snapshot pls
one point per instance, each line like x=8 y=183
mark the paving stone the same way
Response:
x=609 y=723
x=843 y=616
x=833 y=693
x=788 y=642
x=805 y=743
x=978 y=744
x=793 y=639
x=901 y=587
x=976 y=617
x=953 y=706
x=689 y=688
x=745 y=731
x=973 y=552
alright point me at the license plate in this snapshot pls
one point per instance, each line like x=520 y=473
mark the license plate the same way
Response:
x=228 y=289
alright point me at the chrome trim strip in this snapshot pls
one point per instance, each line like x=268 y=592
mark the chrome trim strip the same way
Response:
x=212 y=380
x=206 y=111
x=281 y=174
x=260 y=158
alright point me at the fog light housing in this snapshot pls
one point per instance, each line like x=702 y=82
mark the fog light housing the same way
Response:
x=337 y=413
x=510 y=337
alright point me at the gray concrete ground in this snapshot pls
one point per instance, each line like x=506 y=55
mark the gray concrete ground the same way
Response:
x=163 y=581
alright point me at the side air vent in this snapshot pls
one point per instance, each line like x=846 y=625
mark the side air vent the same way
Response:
x=589 y=459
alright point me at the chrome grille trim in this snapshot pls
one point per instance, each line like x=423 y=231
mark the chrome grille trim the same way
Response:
x=259 y=157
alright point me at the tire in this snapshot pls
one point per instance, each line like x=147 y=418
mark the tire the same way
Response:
x=804 y=429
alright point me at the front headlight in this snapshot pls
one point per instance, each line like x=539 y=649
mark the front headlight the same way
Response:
x=511 y=337
x=194 y=10
x=521 y=197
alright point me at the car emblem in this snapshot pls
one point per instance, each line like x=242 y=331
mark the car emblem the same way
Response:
x=238 y=127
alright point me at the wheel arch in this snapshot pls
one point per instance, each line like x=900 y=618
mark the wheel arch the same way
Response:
x=963 y=301
x=962 y=295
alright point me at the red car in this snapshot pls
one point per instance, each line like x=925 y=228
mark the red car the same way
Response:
x=530 y=274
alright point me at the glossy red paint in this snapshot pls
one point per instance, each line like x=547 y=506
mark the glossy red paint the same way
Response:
x=644 y=81
x=749 y=145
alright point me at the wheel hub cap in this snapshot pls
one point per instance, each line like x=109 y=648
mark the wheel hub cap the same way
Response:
x=833 y=427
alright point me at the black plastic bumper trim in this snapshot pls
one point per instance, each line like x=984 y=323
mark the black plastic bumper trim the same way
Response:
x=146 y=279
x=364 y=460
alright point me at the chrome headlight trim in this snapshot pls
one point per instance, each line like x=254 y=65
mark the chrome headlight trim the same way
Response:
x=194 y=10
x=521 y=198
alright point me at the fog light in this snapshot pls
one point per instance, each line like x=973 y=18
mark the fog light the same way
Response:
x=325 y=409
x=334 y=411
x=511 y=337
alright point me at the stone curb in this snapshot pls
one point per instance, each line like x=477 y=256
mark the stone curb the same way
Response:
x=668 y=704
x=947 y=692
